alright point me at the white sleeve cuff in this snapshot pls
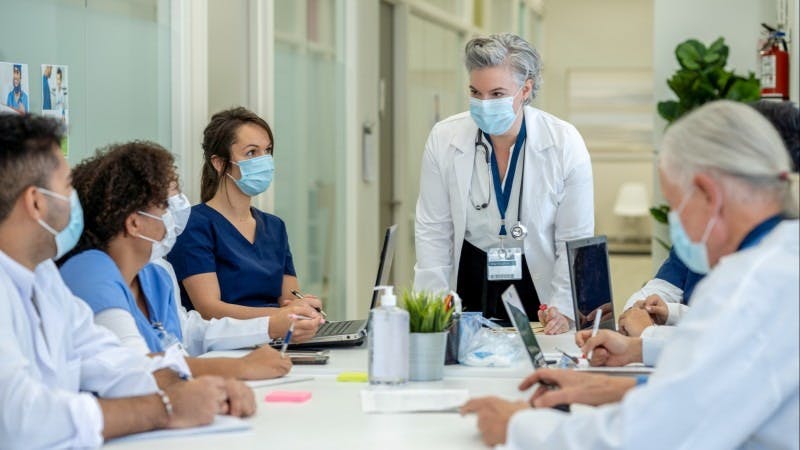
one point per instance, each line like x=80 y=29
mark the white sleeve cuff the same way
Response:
x=88 y=419
x=651 y=350
x=173 y=359
x=664 y=289
x=676 y=312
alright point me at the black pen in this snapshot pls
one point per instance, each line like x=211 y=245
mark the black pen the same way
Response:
x=297 y=294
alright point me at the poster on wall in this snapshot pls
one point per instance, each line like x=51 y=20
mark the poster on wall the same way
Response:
x=54 y=97
x=14 y=88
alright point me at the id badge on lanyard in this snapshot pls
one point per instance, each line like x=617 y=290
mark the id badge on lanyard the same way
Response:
x=504 y=263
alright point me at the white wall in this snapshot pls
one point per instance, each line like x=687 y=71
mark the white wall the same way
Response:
x=587 y=34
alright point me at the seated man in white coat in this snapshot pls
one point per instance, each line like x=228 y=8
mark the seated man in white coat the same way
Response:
x=729 y=377
x=65 y=382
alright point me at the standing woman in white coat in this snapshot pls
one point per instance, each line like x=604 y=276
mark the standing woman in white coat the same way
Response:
x=476 y=230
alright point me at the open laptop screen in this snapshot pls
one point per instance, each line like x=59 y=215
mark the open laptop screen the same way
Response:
x=591 y=283
x=521 y=322
x=385 y=264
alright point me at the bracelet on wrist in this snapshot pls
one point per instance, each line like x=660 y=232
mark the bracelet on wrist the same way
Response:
x=166 y=401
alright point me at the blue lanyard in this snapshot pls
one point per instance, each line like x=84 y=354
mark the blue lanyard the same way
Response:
x=503 y=194
x=756 y=234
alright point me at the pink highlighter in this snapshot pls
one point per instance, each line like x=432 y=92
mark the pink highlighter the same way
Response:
x=288 y=397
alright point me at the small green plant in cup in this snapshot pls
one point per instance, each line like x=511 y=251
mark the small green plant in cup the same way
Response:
x=427 y=312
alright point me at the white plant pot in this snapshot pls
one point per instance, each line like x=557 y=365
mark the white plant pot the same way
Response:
x=426 y=356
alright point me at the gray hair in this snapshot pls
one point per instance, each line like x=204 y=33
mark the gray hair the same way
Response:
x=506 y=48
x=737 y=145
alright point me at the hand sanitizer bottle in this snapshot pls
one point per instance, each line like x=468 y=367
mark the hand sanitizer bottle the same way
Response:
x=388 y=341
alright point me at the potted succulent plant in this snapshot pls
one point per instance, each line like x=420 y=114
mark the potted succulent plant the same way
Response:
x=430 y=316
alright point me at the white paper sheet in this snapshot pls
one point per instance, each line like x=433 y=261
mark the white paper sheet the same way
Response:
x=221 y=424
x=413 y=400
x=276 y=381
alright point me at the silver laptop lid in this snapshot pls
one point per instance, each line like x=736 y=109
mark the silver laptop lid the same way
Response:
x=516 y=312
x=385 y=264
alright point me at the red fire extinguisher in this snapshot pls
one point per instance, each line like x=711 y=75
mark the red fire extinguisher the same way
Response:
x=774 y=65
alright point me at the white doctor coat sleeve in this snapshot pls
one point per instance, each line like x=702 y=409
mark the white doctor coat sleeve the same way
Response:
x=574 y=217
x=434 y=232
x=201 y=336
x=724 y=377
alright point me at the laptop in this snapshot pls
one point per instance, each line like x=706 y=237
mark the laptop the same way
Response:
x=353 y=332
x=590 y=277
x=516 y=312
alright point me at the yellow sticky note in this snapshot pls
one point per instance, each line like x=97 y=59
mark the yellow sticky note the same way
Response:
x=352 y=377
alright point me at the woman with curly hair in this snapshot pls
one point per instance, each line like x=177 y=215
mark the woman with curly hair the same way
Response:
x=234 y=260
x=130 y=192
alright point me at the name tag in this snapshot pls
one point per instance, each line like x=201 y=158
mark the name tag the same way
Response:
x=504 y=264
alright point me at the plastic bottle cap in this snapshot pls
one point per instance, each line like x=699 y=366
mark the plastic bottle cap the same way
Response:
x=388 y=298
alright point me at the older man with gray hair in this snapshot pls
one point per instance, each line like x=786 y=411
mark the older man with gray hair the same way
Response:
x=728 y=378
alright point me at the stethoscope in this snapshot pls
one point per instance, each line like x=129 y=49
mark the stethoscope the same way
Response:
x=518 y=231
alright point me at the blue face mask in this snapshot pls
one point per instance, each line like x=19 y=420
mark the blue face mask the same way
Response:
x=494 y=116
x=256 y=174
x=693 y=254
x=68 y=237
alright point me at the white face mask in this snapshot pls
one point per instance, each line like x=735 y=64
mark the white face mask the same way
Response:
x=181 y=208
x=162 y=247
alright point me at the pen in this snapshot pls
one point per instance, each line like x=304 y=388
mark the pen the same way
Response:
x=297 y=294
x=595 y=328
x=299 y=317
x=571 y=358
x=287 y=339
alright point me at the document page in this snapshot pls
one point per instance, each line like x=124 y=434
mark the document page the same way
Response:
x=413 y=400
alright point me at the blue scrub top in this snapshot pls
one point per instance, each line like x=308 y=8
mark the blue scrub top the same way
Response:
x=23 y=99
x=94 y=277
x=675 y=272
x=248 y=274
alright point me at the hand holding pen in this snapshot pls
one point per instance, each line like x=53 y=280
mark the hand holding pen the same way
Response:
x=312 y=301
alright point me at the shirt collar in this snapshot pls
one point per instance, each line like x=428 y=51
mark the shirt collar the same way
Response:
x=21 y=277
x=756 y=234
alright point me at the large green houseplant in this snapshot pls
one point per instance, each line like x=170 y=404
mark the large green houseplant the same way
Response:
x=429 y=317
x=701 y=78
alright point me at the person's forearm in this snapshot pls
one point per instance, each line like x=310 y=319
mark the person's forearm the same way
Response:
x=222 y=309
x=165 y=377
x=223 y=367
x=126 y=416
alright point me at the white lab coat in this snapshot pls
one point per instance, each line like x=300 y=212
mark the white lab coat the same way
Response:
x=48 y=367
x=558 y=202
x=654 y=336
x=728 y=378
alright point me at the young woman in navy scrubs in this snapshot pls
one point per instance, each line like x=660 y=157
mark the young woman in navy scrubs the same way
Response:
x=234 y=260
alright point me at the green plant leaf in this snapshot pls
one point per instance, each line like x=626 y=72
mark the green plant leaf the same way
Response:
x=427 y=312
x=659 y=213
x=668 y=110
x=690 y=53
x=745 y=90
x=662 y=243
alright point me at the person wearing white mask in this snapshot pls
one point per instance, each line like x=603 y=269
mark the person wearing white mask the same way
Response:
x=502 y=187
x=725 y=173
x=64 y=381
x=130 y=196
x=234 y=260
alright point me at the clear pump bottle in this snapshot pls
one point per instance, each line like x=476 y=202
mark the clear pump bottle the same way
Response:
x=388 y=341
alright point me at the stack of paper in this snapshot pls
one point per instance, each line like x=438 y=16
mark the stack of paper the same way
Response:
x=413 y=400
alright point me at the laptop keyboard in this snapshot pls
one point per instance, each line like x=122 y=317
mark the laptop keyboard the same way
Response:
x=339 y=328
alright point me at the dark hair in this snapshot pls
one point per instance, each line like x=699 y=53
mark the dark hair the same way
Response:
x=785 y=117
x=219 y=135
x=26 y=155
x=117 y=181
x=58 y=72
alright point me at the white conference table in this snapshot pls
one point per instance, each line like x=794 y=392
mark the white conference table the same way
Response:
x=333 y=418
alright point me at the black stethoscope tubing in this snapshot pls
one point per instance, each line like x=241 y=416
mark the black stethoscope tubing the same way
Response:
x=518 y=231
